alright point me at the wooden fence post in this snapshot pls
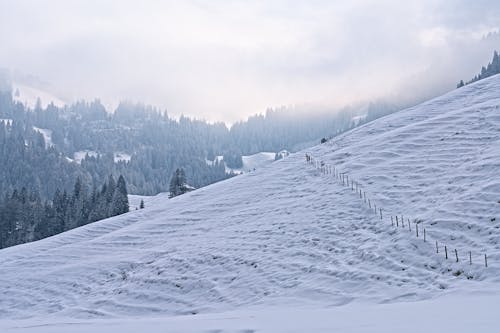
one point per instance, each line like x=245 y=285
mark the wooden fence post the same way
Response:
x=445 y=252
x=375 y=208
x=424 y=234
x=437 y=248
x=397 y=223
x=456 y=254
x=381 y=213
x=364 y=194
x=402 y=222
x=409 y=225
x=369 y=203
x=392 y=221
x=470 y=257
x=416 y=226
x=485 y=260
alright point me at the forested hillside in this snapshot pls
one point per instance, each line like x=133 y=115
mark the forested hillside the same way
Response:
x=43 y=149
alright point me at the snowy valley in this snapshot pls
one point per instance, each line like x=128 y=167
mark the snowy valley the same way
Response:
x=292 y=246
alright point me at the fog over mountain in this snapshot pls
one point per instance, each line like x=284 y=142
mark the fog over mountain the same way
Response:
x=226 y=60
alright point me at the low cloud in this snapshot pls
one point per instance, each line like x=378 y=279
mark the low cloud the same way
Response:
x=225 y=60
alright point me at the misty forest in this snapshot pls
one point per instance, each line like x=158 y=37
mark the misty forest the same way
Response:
x=45 y=151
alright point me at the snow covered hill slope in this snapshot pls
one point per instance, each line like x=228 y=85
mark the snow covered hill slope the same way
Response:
x=290 y=234
x=250 y=162
x=29 y=95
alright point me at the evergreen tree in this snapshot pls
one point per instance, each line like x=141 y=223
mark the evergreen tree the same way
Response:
x=120 y=199
x=178 y=183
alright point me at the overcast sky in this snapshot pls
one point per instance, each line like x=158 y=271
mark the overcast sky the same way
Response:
x=225 y=60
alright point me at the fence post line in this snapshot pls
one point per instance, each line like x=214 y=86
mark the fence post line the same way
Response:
x=456 y=254
x=445 y=252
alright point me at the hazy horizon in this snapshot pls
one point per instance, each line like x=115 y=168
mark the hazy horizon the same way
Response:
x=226 y=60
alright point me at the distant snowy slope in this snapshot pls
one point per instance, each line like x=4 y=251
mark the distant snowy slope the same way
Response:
x=47 y=135
x=250 y=162
x=29 y=96
x=134 y=200
x=287 y=234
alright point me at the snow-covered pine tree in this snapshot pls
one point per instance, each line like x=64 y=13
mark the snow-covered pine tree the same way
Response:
x=119 y=204
x=178 y=183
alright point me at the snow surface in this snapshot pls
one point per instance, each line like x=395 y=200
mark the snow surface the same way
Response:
x=80 y=155
x=47 y=135
x=250 y=162
x=282 y=248
x=134 y=201
x=29 y=95
x=6 y=121
x=445 y=314
x=122 y=157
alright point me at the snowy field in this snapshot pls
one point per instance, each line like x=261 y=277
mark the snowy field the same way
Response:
x=134 y=201
x=288 y=248
x=445 y=314
x=29 y=95
x=79 y=156
x=250 y=162
x=47 y=135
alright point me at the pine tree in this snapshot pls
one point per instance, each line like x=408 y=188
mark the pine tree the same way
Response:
x=141 y=206
x=178 y=183
x=120 y=199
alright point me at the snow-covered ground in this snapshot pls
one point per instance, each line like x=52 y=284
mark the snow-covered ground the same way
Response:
x=80 y=155
x=122 y=157
x=250 y=162
x=445 y=314
x=134 y=201
x=29 y=95
x=288 y=248
x=47 y=135
x=6 y=121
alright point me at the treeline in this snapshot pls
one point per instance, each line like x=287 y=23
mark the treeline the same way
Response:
x=25 y=217
x=491 y=69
